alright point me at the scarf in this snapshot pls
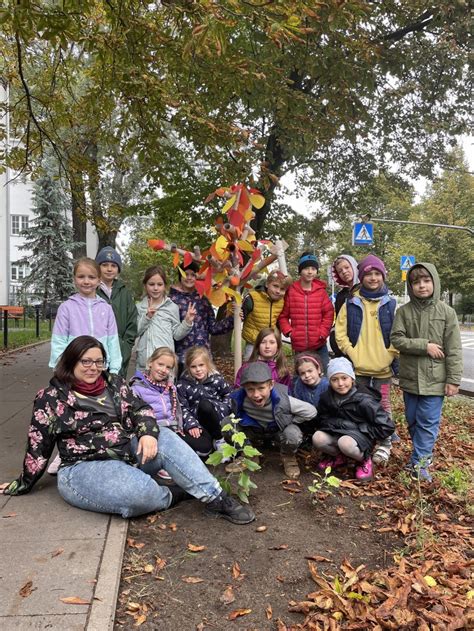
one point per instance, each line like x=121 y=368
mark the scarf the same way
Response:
x=373 y=295
x=90 y=389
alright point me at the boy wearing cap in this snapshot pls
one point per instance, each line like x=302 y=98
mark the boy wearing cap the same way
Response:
x=426 y=332
x=350 y=419
x=113 y=291
x=265 y=409
x=363 y=328
x=308 y=313
x=262 y=306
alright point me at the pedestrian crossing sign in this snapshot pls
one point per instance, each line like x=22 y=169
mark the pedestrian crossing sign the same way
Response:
x=406 y=262
x=363 y=234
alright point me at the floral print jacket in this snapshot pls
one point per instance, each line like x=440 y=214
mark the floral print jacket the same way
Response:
x=79 y=434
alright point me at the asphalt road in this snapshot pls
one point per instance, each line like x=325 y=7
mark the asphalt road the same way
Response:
x=467 y=339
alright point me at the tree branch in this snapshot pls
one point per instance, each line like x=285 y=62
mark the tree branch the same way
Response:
x=422 y=22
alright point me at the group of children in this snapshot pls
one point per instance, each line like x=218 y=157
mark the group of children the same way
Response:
x=346 y=414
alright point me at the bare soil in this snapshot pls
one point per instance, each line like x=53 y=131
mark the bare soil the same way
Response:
x=168 y=587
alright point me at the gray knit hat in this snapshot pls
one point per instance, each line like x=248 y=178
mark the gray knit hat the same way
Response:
x=340 y=364
x=255 y=372
x=109 y=255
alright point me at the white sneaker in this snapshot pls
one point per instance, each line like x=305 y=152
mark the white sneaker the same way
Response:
x=219 y=444
x=164 y=475
x=381 y=454
x=54 y=466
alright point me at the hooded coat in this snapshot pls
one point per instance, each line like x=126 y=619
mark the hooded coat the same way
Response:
x=342 y=295
x=421 y=321
x=125 y=311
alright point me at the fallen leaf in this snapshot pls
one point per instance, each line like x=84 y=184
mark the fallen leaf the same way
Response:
x=159 y=564
x=236 y=570
x=194 y=548
x=430 y=581
x=295 y=482
x=173 y=527
x=317 y=557
x=200 y=626
x=152 y=518
x=269 y=612
x=260 y=528
x=340 y=510
x=192 y=579
x=57 y=552
x=283 y=546
x=134 y=544
x=139 y=620
x=364 y=527
x=291 y=489
x=26 y=590
x=9 y=515
x=237 y=613
x=228 y=596
x=280 y=578
x=74 y=600
x=149 y=567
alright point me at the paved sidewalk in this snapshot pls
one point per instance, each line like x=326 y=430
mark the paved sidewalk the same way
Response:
x=63 y=551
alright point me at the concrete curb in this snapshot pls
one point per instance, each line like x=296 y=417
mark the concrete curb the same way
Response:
x=104 y=603
x=19 y=349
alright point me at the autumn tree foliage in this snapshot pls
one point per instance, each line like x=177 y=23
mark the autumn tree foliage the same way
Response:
x=332 y=91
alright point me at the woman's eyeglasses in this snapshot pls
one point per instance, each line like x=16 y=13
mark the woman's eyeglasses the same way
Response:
x=87 y=363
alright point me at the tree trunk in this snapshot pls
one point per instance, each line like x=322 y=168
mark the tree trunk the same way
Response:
x=78 y=208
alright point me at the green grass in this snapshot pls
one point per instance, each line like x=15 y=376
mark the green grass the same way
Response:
x=456 y=479
x=22 y=336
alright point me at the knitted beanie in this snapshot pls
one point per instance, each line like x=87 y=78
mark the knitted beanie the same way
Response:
x=109 y=255
x=340 y=365
x=370 y=263
x=307 y=260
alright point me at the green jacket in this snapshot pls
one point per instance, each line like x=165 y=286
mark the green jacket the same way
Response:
x=421 y=321
x=125 y=312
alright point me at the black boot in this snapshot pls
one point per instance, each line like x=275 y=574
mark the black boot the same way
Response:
x=230 y=509
x=178 y=495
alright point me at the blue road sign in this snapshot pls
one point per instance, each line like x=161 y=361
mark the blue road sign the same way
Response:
x=363 y=234
x=406 y=261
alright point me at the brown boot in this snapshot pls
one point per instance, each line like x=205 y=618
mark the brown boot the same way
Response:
x=290 y=466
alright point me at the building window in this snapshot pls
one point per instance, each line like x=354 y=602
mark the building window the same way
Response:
x=19 y=271
x=19 y=223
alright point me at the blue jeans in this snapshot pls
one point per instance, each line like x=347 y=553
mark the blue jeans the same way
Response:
x=423 y=414
x=324 y=356
x=113 y=486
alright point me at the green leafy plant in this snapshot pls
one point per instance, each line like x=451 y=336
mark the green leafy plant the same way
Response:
x=237 y=449
x=456 y=479
x=323 y=483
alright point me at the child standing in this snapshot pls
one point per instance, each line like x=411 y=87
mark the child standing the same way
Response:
x=363 y=328
x=204 y=397
x=86 y=314
x=268 y=349
x=309 y=383
x=426 y=332
x=346 y=275
x=307 y=314
x=266 y=411
x=261 y=308
x=158 y=317
x=350 y=419
x=113 y=291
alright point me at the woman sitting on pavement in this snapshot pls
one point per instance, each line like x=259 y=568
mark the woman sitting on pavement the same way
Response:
x=110 y=445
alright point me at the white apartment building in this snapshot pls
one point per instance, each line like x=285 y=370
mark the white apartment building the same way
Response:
x=16 y=213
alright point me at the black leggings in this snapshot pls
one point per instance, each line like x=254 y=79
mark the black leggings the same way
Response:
x=211 y=429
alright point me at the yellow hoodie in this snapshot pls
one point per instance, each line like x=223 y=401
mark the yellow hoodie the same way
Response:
x=369 y=355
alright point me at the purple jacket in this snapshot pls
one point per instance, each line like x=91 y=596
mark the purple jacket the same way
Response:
x=204 y=324
x=159 y=399
x=86 y=316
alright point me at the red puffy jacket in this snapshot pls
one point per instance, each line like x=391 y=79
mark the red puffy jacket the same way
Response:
x=307 y=316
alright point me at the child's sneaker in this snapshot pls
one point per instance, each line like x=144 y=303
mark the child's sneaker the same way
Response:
x=381 y=454
x=164 y=475
x=336 y=461
x=290 y=466
x=54 y=466
x=395 y=438
x=230 y=509
x=219 y=444
x=421 y=473
x=363 y=471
